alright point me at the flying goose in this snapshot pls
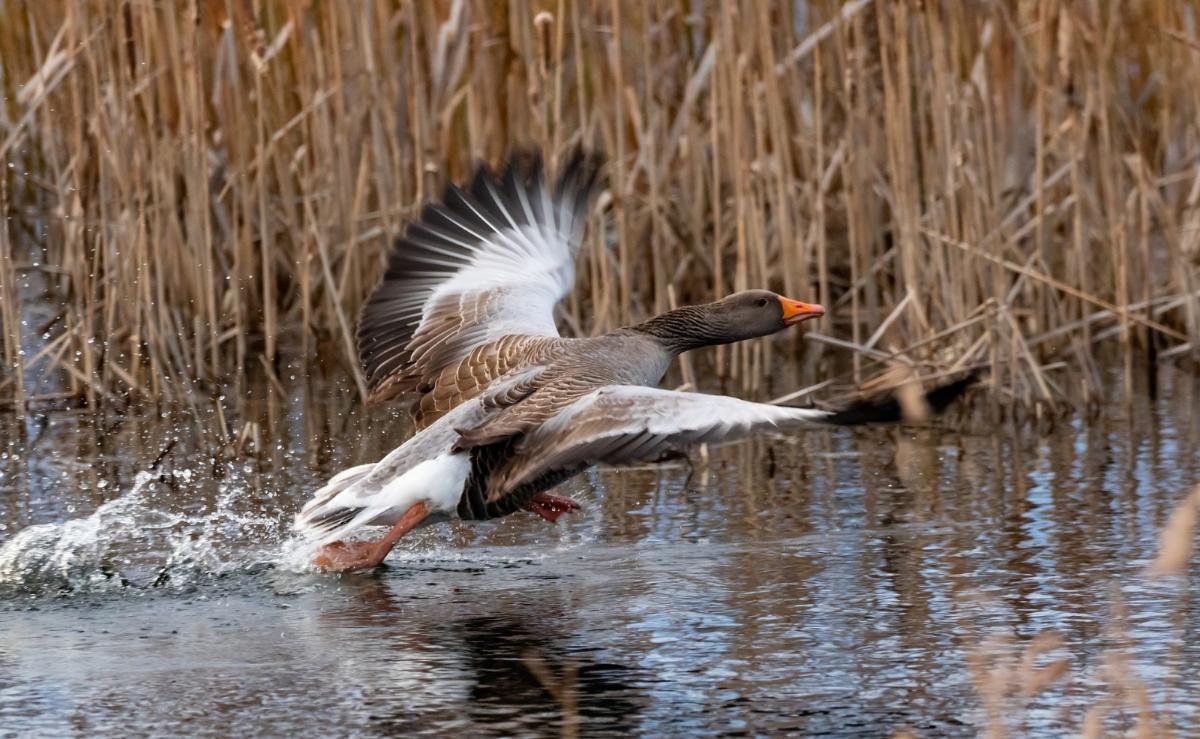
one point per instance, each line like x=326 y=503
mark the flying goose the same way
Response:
x=462 y=327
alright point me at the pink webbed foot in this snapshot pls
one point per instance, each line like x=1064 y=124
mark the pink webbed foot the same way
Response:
x=356 y=556
x=348 y=556
x=551 y=507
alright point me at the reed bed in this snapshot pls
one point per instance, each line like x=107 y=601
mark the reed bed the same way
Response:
x=202 y=187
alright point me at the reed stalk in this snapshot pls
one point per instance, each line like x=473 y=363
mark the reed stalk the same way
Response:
x=214 y=183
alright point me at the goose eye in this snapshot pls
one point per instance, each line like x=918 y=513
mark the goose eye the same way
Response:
x=762 y=302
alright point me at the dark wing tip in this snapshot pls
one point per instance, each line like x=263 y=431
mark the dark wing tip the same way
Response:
x=444 y=236
x=580 y=174
x=580 y=178
x=330 y=520
x=889 y=410
x=941 y=397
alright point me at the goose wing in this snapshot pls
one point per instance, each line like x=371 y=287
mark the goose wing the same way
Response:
x=487 y=262
x=621 y=424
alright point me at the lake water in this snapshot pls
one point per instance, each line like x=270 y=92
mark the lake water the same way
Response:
x=841 y=583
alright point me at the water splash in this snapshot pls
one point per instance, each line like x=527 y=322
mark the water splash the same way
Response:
x=132 y=541
x=153 y=537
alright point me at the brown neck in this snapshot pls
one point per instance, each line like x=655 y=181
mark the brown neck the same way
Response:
x=684 y=329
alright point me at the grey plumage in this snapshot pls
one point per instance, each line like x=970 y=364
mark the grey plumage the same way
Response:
x=462 y=323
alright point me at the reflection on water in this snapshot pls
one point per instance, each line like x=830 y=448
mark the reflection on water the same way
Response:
x=519 y=656
x=826 y=583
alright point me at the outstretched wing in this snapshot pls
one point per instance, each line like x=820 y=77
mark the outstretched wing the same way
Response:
x=620 y=424
x=487 y=262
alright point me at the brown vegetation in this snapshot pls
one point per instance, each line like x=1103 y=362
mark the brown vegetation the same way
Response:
x=964 y=184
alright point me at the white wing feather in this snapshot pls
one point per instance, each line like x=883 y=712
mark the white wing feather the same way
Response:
x=489 y=262
x=620 y=424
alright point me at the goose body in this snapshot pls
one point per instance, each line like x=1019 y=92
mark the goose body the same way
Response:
x=453 y=474
x=461 y=327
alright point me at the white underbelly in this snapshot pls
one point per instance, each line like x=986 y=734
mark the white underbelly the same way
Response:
x=438 y=482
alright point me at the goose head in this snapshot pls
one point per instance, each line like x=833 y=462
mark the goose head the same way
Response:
x=753 y=313
x=743 y=315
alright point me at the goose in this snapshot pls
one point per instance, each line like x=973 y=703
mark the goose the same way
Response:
x=461 y=327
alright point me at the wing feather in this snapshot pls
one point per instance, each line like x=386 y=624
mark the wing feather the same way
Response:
x=620 y=424
x=489 y=261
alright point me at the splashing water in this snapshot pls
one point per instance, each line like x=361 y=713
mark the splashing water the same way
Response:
x=131 y=541
x=143 y=540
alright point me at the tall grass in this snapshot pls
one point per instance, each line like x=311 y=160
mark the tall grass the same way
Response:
x=210 y=184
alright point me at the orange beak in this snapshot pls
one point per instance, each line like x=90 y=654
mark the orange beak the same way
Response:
x=794 y=311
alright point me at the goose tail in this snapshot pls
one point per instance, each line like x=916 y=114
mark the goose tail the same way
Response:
x=379 y=494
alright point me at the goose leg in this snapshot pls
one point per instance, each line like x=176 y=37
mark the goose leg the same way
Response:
x=550 y=507
x=356 y=556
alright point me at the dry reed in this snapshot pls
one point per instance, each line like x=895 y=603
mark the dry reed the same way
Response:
x=1177 y=542
x=206 y=185
x=1007 y=676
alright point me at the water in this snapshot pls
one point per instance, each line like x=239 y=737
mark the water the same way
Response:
x=827 y=583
